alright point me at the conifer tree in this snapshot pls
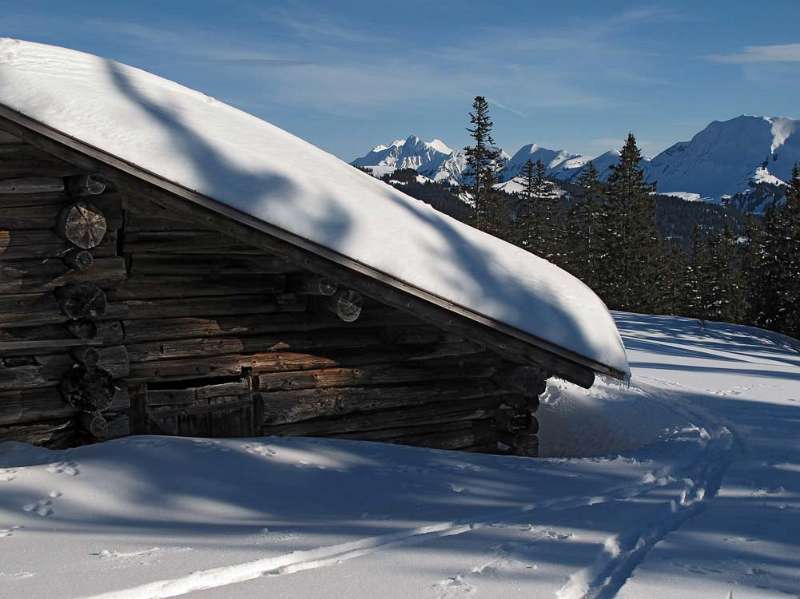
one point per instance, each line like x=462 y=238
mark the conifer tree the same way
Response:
x=526 y=225
x=777 y=284
x=581 y=228
x=539 y=222
x=483 y=164
x=629 y=248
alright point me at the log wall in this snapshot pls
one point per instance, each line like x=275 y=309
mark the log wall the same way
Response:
x=113 y=321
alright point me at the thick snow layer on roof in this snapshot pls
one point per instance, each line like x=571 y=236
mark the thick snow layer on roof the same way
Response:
x=193 y=140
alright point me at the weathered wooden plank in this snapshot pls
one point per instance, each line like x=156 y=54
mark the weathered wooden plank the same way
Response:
x=105 y=332
x=30 y=405
x=184 y=242
x=17 y=348
x=279 y=361
x=13 y=167
x=27 y=244
x=294 y=342
x=180 y=328
x=34 y=309
x=207 y=265
x=216 y=366
x=213 y=306
x=53 y=433
x=283 y=407
x=443 y=436
x=50 y=187
x=142 y=218
x=39 y=276
x=29 y=217
x=427 y=414
x=159 y=286
x=9 y=138
x=378 y=374
x=192 y=395
x=21 y=151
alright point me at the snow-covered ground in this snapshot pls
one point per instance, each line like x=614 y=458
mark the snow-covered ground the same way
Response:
x=691 y=489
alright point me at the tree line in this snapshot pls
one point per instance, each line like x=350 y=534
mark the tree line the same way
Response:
x=606 y=235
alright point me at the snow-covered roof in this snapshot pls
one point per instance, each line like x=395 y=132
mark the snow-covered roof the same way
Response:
x=198 y=143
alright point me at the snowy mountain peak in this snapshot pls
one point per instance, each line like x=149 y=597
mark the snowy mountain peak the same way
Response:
x=440 y=146
x=724 y=159
x=728 y=157
x=411 y=152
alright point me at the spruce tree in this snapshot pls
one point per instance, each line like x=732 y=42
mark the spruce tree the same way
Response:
x=539 y=228
x=778 y=273
x=483 y=165
x=629 y=247
x=526 y=230
x=580 y=245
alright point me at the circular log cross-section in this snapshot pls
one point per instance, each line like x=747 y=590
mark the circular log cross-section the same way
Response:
x=347 y=305
x=83 y=225
x=88 y=389
x=79 y=260
x=85 y=185
x=94 y=423
x=82 y=300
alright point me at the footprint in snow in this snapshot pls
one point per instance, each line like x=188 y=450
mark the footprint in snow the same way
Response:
x=144 y=557
x=16 y=575
x=7 y=474
x=452 y=587
x=41 y=508
x=68 y=468
x=558 y=536
x=8 y=532
x=261 y=450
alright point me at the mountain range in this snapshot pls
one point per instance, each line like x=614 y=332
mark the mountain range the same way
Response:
x=725 y=159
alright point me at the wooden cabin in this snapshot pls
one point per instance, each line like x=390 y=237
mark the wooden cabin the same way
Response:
x=134 y=301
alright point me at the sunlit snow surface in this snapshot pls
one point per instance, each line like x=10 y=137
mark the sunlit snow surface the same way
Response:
x=247 y=164
x=313 y=518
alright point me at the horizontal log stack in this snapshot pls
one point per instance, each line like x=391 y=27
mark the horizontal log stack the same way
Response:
x=62 y=357
x=116 y=319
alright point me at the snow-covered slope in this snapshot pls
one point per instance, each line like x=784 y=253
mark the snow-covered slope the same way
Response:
x=692 y=490
x=253 y=167
x=726 y=156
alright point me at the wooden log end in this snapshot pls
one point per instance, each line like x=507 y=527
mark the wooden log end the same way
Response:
x=85 y=185
x=88 y=389
x=346 y=304
x=78 y=260
x=93 y=423
x=82 y=224
x=82 y=300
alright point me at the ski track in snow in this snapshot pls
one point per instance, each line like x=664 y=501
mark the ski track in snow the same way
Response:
x=692 y=498
x=622 y=553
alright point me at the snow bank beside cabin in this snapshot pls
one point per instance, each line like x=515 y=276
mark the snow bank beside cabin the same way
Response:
x=203 y=145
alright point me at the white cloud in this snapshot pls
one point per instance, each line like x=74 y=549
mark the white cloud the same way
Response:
x=754 y=54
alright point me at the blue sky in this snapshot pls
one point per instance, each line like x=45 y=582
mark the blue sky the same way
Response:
x=344 y=75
